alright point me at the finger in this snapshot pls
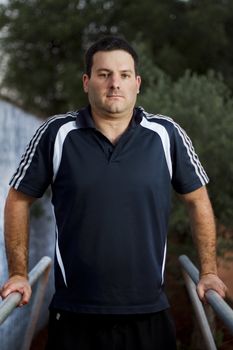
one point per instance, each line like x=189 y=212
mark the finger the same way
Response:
x=220 y=288
x=6 y=291
x=221 y=291
x=25 y=291
x=26 y=294
x=25 y=299
x=201 y=292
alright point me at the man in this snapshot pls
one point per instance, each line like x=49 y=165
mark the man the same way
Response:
x=110 y=167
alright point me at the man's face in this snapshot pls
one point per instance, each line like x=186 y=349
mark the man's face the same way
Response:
x=113 y=86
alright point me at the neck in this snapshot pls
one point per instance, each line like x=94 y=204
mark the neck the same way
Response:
x=111 y=126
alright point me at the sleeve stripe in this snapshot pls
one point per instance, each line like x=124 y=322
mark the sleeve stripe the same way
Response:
x=30 y=151
x=199 y=170
x=58 y=146
x=163 y=134
x=193 y=156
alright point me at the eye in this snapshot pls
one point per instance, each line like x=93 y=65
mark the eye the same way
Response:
x=125 y=75
x=103 y=75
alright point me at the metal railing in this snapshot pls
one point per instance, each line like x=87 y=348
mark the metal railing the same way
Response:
x=221 y=308
x=39 y=274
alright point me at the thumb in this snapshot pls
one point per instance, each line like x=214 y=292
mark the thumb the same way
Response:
x=201 y=292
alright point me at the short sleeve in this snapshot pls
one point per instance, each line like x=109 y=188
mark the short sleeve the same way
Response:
x=34 y=173
x=188 y=173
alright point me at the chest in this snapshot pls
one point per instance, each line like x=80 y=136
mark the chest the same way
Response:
x=90 y=162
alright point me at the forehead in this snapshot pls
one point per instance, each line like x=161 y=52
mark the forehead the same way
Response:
x=116 y=59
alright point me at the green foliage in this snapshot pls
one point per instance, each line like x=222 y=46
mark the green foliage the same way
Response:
x=192 y=34
x=43 y=43
x=202 y=104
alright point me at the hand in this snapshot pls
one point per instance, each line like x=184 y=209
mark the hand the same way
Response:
x=18 y=284
x=210 y=281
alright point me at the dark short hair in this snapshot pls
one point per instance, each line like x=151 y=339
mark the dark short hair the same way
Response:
x=109 y=43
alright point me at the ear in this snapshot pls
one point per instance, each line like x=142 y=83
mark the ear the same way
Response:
x=85 y=82
x=139 y=81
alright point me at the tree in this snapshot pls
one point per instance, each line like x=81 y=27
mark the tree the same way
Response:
x=194 y=34
x=44 y=43
x=203 y=106
x=44 y=40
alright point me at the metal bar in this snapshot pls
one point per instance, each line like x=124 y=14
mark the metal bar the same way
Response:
x=222 y=309
x=13 y=300
x=39 y=269
x=8 y=305
x=42 y=272
x=190 y=268
x=200 y=313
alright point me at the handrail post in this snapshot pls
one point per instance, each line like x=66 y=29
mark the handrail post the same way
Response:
x=200 y=313
x=221 y=308
x=35 y=311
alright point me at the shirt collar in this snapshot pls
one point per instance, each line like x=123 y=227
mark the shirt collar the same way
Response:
x=84 y=118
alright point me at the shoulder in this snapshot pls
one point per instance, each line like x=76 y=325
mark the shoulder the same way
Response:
x=60 y=119
x=52 y=125
x=159 y=121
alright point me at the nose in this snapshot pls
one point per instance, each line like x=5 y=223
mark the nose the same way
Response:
x=115 y=82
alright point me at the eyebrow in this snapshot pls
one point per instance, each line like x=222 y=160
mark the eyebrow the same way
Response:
x=109 y=70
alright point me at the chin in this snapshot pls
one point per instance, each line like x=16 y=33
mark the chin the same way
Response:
x=116 y=110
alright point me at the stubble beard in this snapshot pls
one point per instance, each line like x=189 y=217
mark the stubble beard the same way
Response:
x=114 y=108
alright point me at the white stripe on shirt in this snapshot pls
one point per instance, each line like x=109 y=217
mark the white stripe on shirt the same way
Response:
x=163 y=134
x=199 y=170
x=58 y=146
x=31 y=149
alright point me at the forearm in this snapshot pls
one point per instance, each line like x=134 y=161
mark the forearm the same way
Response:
x=16 y=228
x=203 y=228
x=204 y=234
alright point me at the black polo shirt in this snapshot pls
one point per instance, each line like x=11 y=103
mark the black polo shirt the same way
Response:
x=111 y=205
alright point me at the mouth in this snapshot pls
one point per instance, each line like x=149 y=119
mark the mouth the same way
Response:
x=114 y=96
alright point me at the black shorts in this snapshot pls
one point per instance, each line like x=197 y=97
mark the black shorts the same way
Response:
x=68 y=331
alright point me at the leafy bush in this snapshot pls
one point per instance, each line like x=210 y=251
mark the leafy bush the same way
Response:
x=202 y=105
